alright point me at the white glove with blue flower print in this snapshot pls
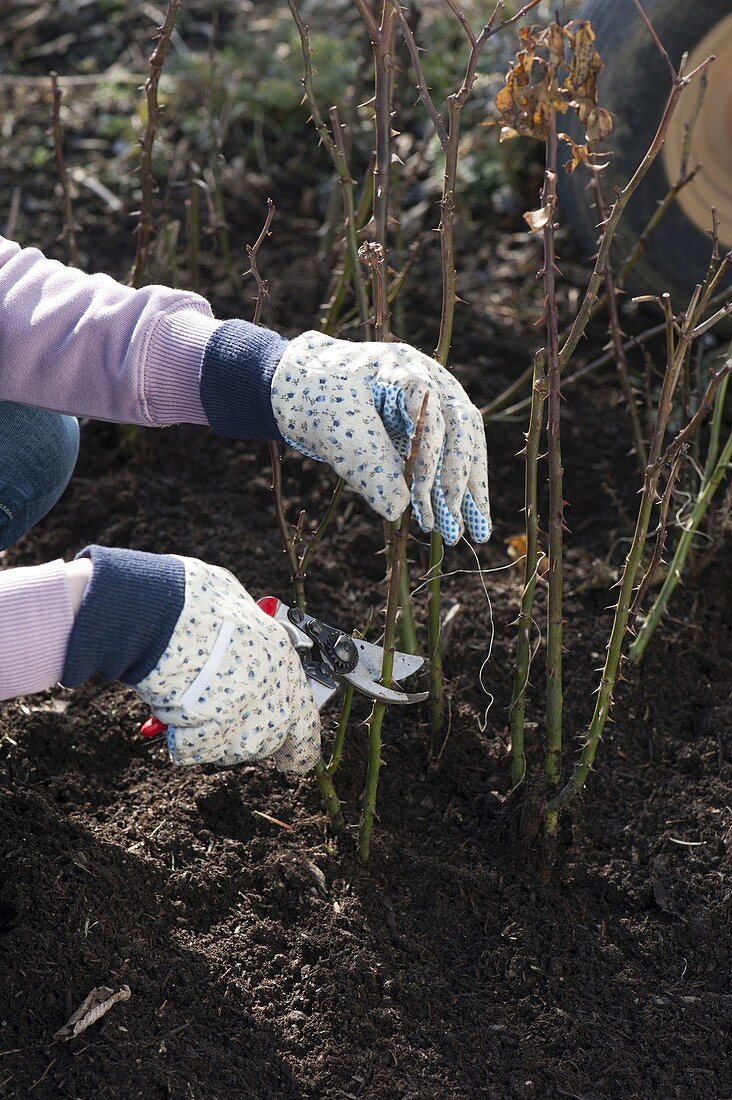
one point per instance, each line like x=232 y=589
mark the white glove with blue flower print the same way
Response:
x=230 y=685
x=354 y=405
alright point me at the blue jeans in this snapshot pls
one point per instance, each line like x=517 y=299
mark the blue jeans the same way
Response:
x=38 y=452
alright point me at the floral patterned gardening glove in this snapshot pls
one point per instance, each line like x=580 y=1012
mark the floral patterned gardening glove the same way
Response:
x=354 y=405
x=223 y=676
x=230 y=686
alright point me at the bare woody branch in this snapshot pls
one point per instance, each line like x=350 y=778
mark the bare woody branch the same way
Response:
x=608 y=233
x=69 y=230
x=146 y=224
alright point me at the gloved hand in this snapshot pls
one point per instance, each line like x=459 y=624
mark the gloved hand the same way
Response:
x=223 y=675
x=354 y=405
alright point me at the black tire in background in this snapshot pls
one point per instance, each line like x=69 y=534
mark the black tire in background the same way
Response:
x=634 y=85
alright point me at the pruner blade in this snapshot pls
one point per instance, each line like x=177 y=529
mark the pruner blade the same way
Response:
x=366 y=675
x=329 y=655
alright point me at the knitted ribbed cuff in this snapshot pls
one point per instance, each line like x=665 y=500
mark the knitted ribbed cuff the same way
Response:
x=173 y=367
x=236 y=380
x=36 y=619
x=127 y=616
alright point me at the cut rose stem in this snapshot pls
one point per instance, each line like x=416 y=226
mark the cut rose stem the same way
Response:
x=376 y=718
x=531 y=566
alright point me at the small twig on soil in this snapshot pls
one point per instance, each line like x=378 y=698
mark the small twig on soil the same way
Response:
x=69 y=230
x=146 y=224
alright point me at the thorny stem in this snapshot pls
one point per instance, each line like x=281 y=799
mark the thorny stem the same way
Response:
x=324 y=779
x=252 y=253
x=322 y=774
x=288 y=541
x=69 y=230
x=341 y=279
x=337 y=150
x=576 y=333
x=616 y=337
x=383 y=47
x=553 y=759
x=193 y=239
x=344 y=716
x=376 y=718
x=660 y=544
x=330 y=797
x=351 y=226
x=619 y=629
x=449 y=138
x=145 y=224
x=713 y=476
x=407 y=628
x=434 y=628
x=683 y=179
x=340 y=735
x=492 y=410
x=531 y=568
x=322 y=527
x=288 y=545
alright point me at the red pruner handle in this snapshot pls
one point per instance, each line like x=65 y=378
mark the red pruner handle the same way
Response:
x=153 y=727
x=269 y=605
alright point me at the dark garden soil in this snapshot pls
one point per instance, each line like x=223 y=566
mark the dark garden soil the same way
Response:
x=262 y=960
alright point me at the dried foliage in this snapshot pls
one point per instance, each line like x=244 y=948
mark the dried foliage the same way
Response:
x=534 y=93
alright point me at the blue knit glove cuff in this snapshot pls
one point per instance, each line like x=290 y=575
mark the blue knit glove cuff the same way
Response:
x=129 y=611
x=236 y=380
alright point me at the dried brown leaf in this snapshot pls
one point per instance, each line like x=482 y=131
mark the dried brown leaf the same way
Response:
x=582 y=154
x=91 y=1009
x=531 y=94
x=581 y=82
x=539 y=219
x=599 y=124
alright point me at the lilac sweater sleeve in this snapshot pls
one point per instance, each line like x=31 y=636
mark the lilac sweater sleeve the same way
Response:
x=36 y=619
x=85 y=344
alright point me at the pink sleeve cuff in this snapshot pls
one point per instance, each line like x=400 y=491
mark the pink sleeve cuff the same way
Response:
x=36 y=619
x=173 y=367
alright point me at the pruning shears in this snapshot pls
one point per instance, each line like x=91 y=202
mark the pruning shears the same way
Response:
x=330 y=657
